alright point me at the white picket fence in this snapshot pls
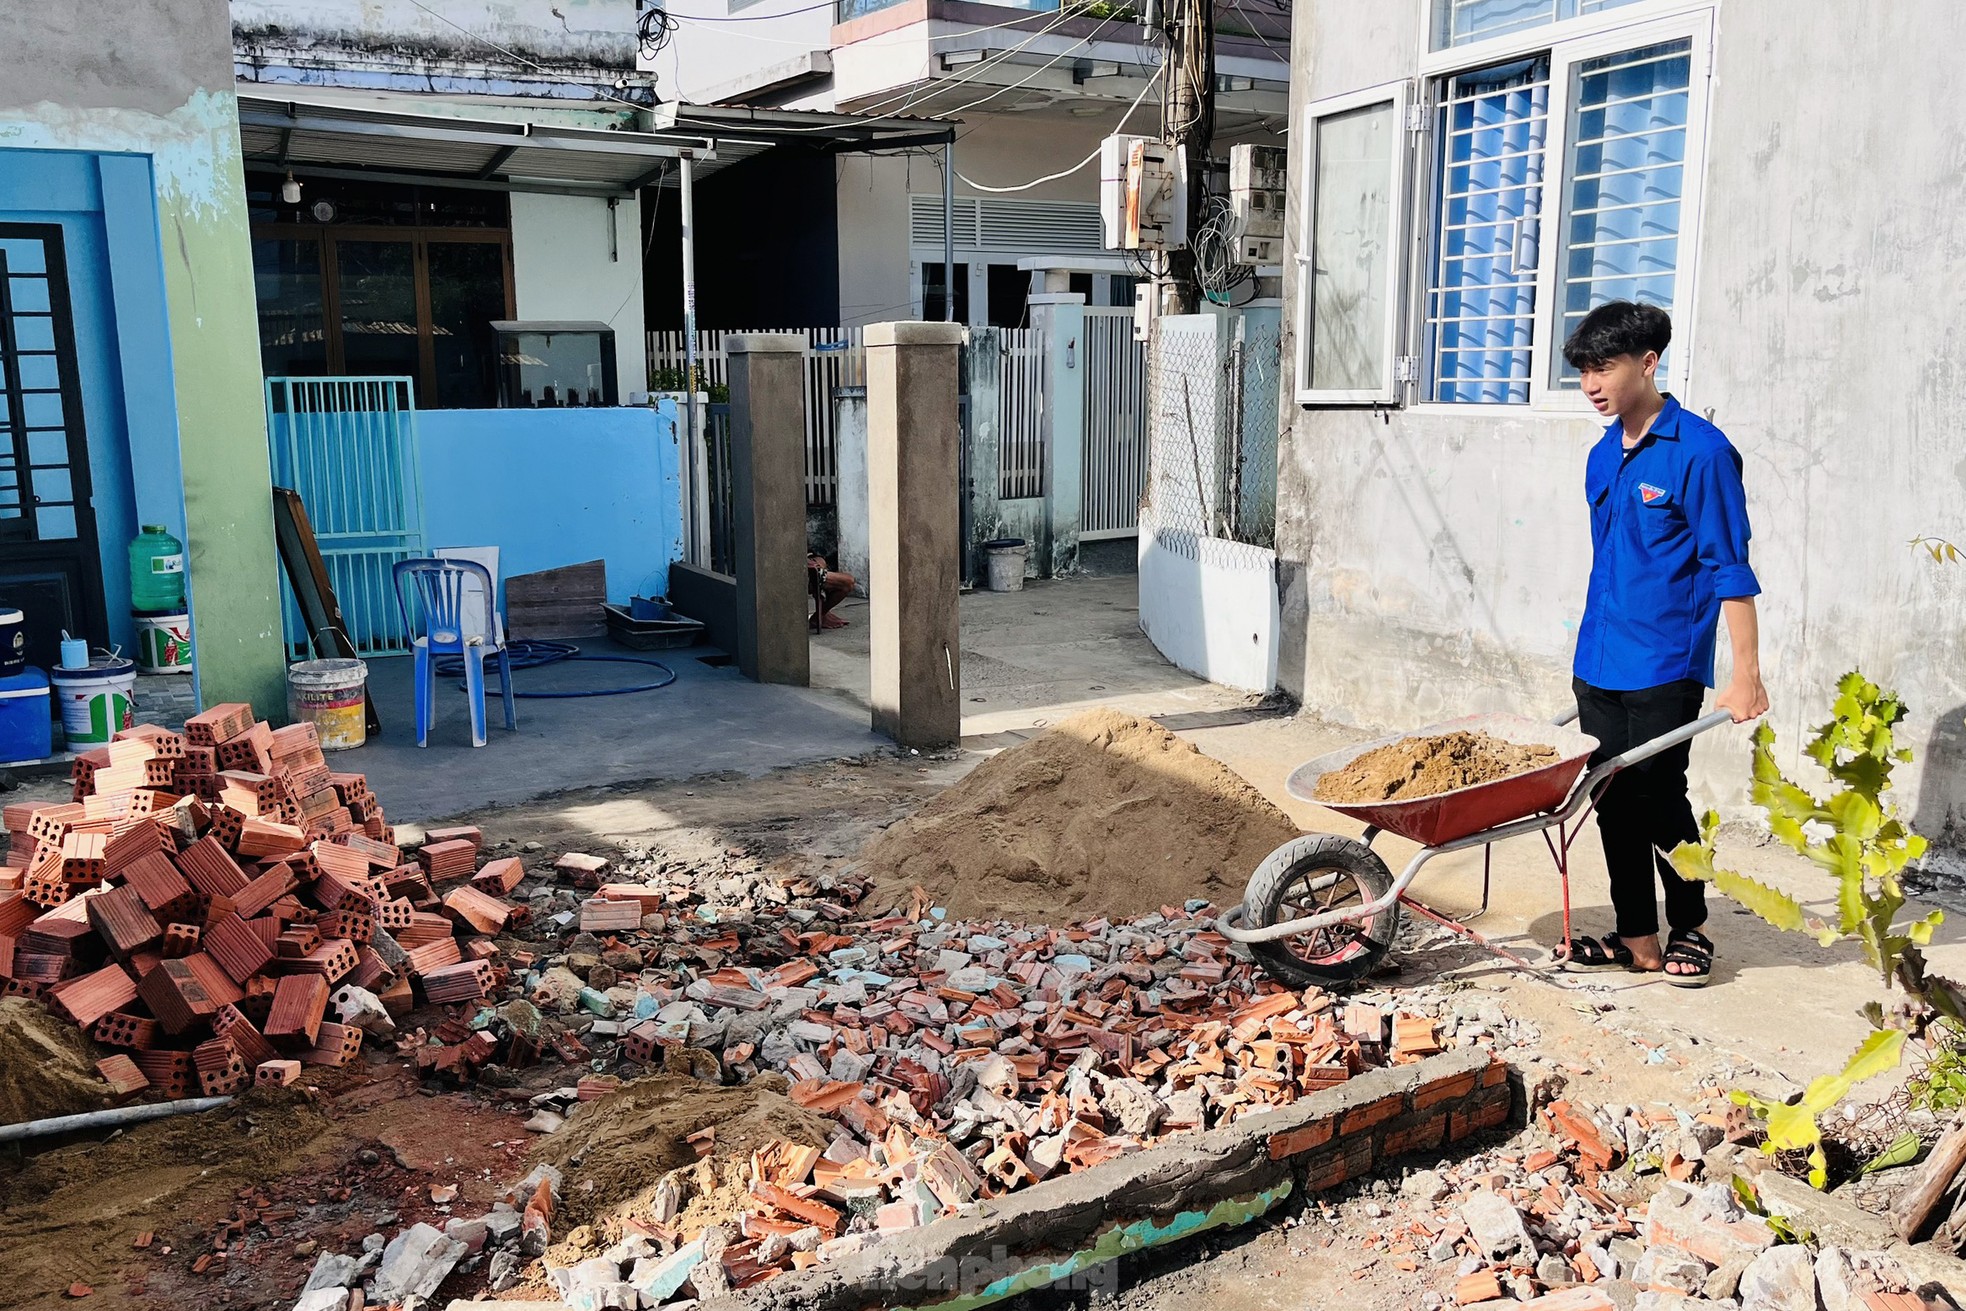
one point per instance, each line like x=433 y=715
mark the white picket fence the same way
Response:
x=833 y=358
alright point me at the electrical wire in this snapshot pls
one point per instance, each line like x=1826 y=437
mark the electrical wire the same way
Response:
x=1253 y=31
x=1063 y=173
x=970 y=72
x=653 y=30
x=1067 y=53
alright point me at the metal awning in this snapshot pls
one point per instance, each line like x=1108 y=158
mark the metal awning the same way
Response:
x=322 y=136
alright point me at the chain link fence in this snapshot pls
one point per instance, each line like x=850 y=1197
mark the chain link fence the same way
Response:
x=1213 y=473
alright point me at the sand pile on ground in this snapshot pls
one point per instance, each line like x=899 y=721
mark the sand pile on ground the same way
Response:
x=1427 y=766
x=46 y=1066
x=1104 y=814
x=627 y=1140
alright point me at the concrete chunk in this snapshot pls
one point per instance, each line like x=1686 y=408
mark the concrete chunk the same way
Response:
x=414 y=1263
x=332 y=1271
x=1781 y=1279
x=658 y=1280
x=1497 y=1229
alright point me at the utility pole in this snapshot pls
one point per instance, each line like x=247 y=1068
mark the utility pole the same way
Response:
x=1188 y=119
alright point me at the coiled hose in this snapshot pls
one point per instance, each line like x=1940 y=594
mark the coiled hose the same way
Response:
x=531 y=654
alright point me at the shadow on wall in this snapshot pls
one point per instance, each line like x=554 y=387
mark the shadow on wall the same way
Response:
x=1938 y=813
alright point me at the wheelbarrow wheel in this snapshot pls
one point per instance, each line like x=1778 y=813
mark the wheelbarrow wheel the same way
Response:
x=1308 y=876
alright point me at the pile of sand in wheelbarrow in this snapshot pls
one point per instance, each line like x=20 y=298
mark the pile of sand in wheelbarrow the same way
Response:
x=1416 y=767
x=1104 y=814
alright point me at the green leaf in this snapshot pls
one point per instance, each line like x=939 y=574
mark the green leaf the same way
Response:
x=1877 y=1054
x=1903 y=1150
x=1856 y=814
x=1693 y=861
x=1920 y=930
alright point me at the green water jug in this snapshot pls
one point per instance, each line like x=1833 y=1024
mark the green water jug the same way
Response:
x=156 y=571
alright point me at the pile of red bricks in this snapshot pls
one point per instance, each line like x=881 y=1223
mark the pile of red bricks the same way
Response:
x=204 y=897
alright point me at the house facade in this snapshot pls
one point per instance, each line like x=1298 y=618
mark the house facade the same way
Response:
x=832 y=241
x=1467 y=178
x=131 y=390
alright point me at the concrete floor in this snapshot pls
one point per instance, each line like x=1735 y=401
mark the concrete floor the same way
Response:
x=1032 y=657
x=709 y=721
x=1028 y=658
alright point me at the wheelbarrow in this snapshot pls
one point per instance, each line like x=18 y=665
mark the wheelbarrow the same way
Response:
x=1323 y=908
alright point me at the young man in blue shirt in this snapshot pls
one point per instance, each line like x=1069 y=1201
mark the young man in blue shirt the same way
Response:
x=1669 y=555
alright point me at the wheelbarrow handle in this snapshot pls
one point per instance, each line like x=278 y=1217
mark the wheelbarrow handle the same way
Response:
x=1646 y=750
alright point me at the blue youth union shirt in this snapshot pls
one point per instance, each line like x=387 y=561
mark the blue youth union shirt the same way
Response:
x=1669 y=543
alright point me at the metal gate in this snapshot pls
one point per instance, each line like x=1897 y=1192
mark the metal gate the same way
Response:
x=348 y=446
x=1021 y=447
x=1115 y=470
x=833 y=359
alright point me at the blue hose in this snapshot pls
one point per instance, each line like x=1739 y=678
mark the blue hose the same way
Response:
x=535 y=654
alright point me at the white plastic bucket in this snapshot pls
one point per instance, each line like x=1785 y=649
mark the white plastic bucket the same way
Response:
x=97 y=702
x=163 y=643
x=1003 y=562
x=332 y=696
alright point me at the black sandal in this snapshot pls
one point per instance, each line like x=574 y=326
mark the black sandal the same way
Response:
x=1594 y=956
x=1689 y=947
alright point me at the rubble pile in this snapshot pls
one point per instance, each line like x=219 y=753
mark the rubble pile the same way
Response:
x=956 y=1061
x=224 y=909
x=1605 y=1207
x=408 y=1268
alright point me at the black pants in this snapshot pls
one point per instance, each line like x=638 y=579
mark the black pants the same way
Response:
x=1644 y=812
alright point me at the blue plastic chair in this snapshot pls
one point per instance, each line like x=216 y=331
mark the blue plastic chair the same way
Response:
x=440 y=587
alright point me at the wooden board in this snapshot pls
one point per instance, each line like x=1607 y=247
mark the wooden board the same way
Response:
x=307 y=573
x=563 y=602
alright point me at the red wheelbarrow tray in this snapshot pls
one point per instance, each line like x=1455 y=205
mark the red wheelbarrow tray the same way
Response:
x=1445 y=817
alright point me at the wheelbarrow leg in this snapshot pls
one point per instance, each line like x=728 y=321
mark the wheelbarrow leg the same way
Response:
x=1449 y=922
x=1487 y=872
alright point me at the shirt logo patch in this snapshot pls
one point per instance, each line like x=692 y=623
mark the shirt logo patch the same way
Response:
x=1648 y=493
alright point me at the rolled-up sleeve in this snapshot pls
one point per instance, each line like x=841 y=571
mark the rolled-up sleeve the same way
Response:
x=1717 y=506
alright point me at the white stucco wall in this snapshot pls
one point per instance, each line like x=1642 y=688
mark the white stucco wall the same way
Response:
x=1435 y=564
x=578 y=30
x=561 y=270
x=702 y=56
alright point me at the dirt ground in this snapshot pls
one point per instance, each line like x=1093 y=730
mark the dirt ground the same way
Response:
x=360 y=1152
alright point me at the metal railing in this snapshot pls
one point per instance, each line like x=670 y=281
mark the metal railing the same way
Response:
x=833 y=359
x=348 y=447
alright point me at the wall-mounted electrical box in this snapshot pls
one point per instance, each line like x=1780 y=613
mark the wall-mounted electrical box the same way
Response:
x=1257 y=182
x=1143 y=193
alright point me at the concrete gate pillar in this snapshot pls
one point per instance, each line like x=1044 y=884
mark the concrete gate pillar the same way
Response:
x=914 y=442
x=768 y=488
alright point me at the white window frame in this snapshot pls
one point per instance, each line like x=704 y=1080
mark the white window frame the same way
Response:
x=1569 y=43
x=1399 y=95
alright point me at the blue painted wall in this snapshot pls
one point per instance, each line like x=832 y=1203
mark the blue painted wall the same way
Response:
x=106 y=206
x=557 y=487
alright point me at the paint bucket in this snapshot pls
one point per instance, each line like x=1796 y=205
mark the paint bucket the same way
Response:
x=163 y=642
x=98 y=702
x=1003 y=561
x=331 y=695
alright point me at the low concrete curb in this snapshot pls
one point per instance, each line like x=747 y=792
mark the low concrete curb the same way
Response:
x=1072 y=1227
x=1063 y=1227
